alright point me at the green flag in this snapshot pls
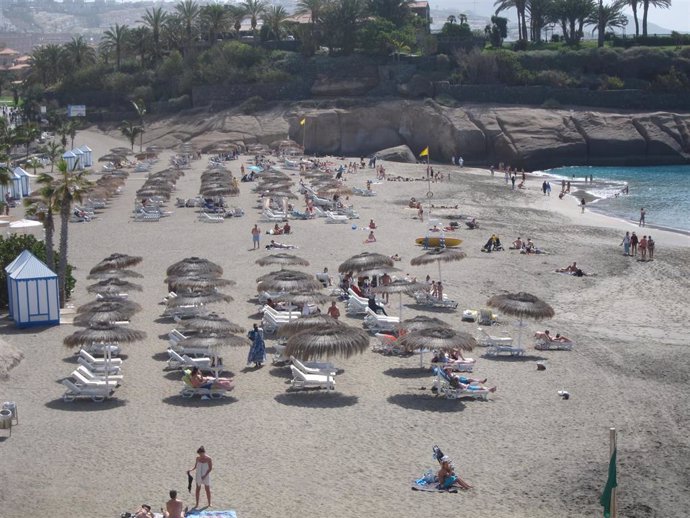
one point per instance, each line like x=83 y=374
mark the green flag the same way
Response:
x=610 y=484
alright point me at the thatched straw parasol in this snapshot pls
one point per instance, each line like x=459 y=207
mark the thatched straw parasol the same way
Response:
x=214 y=343
x=327 y=341
x=439 y=255
x=308 y=297
x=116 y=262
x=212 y=324
x=282 y=259
x=197 y=282
x=108 y=313
x=10 y=357
x=114 y=274
x=521 y=305
x=112 y=285
x=422 y=322
x=364 y=261
x=308 y=322
x=399 y=286
x=194 y=266
x=288 y=280
x=115 y=303
x=198 y=299
x=378 y=271
x=103 y=333
x=441 y=338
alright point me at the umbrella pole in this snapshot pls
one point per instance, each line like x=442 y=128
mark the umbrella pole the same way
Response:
x=107 y=367
x=520 y=334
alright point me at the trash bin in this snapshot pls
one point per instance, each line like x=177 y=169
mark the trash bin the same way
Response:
x=6 y=420
x=12 y=407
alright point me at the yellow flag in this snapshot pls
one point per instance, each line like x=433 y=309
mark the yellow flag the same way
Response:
x=303 y=122
x=425 y=152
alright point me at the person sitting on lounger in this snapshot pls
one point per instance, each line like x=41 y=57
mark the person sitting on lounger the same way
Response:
x=375 y=307
x=198 y=380
x=462 y=379
x=276 y=244
x=568 y=269
x=447 y=477
x=546 y=336
x=464 y=383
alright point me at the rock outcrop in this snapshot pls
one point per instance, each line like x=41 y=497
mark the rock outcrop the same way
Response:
x=397 y=154
x=523 y=137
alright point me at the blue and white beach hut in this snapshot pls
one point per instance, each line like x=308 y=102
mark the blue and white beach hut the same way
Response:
x=80 y=158
x=24 y=180
x=18 y=261
x=88 y=155
x=70 y=158
x=33 y=293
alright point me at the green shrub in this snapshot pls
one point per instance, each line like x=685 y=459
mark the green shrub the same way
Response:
x=555 y=78
x=15 y=244
x=611 y=83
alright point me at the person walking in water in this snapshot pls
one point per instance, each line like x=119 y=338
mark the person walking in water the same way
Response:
x=256 y=235
x=202 y=468
x=643 y=213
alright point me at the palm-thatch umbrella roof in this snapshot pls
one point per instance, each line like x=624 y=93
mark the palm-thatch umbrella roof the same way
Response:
x=121 y=150
x=280 y=193
x=115 y=303
x=107 y=313
x=198 y=299
x=218 y=190
x=288 y=280
x=439 y=255
x=116 y=262
x=521 y=305
x=308 y=322
x=399 y=286
x=214 y=342
x=103 y=333
x=10 y=357
x=422 y=322
x=112 y=157
x=113 y=285
x=282 y=259
x=439 y=338
x=197 y=282
x=194 y=266
x=307 y=297
x=327 y=341
x=364 y=261
x=108 y=274
x=212 y=323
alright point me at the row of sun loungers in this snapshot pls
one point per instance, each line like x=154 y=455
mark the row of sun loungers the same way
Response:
x=94 y=378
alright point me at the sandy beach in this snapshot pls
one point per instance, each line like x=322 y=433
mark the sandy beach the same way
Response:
x=527 y=452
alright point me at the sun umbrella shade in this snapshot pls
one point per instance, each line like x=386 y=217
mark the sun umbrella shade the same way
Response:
x=308 y=322
x=399 y=286
x=212 y=323
x=194 y=266
x=116 y=262
x=439 y=338
x=103 y=333
x=438 y=254
x=214 y=342
x=110 y=303
x=364 y=261
x=309 y=297
x=327 y=341
x=197 y=282
x=282 y=259
x=114 y=274
x=521 y=305
x=113 y=285
x=198 y=299
x=288 y=280
x=104 y=314
x=422 y=322
x=378 y=271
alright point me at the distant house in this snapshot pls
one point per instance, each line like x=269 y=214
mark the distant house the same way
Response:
x=422 y=10
x=7 y=57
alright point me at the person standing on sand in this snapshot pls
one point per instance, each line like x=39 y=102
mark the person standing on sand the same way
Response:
x=650 y=247
x=202 y=468
x=256 y=236
x=643 y=248
x=582 y=204
x=548 y=188
x=643 y=213
x=512 y=181
x=543 y=187
x=633 y=244
x=626 y=244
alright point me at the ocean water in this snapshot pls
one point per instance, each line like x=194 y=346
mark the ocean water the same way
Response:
x=664 y=192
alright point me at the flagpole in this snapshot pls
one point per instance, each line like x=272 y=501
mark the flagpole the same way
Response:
x=612 y=448
x=304 y=136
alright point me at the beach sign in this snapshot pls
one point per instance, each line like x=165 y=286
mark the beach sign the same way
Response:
x=76 y=110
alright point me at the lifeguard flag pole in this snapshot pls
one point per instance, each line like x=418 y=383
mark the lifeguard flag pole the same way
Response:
x=303 y=123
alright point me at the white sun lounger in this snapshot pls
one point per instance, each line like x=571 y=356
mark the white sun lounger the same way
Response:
x=300 y=380
x=466 y=365
x=99 y=368
x=81 y=380
x=210 y=218
x=89 y=374
x=488 y=340
x=177 y=361
x=425 y=299
x=95 y=393
x=99 y=348
x=500 y=345
x=377 y=323
x=543 y=344
x=324 y=369
x=442 y=387
x=92 y=360
x=331 y=217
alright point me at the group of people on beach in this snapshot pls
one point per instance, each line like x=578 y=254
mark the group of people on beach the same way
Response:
x=631 y=244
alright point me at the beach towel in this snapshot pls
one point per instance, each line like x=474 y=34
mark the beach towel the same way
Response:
x=422 y=485
x=209 y=513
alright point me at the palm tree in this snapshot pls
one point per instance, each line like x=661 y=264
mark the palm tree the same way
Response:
x=115 y=40
x=215 y=19
x=451 y=19
x=540 y=12
x=130 y=131
x=520 y=6
x=571 y=15
x=27 y=134
x=140 y=41
x=235 y=14
x=311 y=7
x=140 y=108
x=78 y=52
x=34 y=163
x=68 y=189
x=5 y=177
x=607 y=16
x=661 y=4
x=633 y=5
x=48 y=195
x=45 y=63
x=53 y=151
x=254 y=9
x=72 y=126
x=274 y=18
x=188 y=11
x=155 y=20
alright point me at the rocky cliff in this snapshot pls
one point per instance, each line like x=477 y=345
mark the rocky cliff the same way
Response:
x=524 y=137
